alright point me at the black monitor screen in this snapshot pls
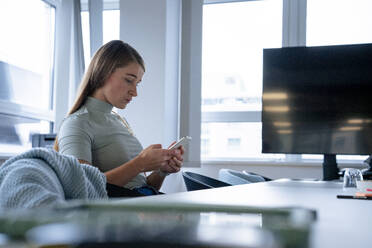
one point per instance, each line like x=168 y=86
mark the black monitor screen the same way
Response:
x=317 y=100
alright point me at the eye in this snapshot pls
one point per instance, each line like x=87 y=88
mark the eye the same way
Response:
x=129 y=81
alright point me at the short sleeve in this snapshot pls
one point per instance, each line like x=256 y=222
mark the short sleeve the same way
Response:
x=74 y=138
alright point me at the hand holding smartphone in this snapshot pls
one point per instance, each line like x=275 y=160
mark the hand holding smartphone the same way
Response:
x=181 y=142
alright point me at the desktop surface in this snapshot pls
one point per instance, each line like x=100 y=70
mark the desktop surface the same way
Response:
x=288 y=213
x=340 y=222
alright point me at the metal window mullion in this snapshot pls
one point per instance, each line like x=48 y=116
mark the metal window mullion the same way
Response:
x=294 y=23
x=84 y=5
x=190 y=86
x=107 y=5
x=231 y=116
x=95 y=25
x=111 y=5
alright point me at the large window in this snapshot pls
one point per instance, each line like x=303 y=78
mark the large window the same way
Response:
x=27 y=30
x=234 y=35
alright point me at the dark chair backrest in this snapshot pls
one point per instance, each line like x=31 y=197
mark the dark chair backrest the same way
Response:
x=195 y=181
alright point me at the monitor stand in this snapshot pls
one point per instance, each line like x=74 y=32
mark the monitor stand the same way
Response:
x=330 y=169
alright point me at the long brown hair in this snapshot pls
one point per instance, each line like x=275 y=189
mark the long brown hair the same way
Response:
x=114 y=54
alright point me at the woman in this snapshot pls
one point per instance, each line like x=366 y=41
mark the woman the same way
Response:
x=95 y=135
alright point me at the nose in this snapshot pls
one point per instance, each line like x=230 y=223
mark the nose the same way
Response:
x=133 y=91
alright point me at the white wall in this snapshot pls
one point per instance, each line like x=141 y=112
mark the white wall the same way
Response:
x=154 y=31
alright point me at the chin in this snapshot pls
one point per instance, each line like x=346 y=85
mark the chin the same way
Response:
x=120 y=106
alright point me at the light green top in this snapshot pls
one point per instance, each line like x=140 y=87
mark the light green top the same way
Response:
x=95 y=134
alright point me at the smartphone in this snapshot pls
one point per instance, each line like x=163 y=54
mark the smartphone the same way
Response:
x=181 y=142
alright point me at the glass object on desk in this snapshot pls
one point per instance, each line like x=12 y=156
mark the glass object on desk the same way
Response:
x=351 y=177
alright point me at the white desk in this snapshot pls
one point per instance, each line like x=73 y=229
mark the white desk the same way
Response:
x=340 y=222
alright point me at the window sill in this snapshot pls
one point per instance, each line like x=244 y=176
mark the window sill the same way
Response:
x=5 y=156
x=309 y=163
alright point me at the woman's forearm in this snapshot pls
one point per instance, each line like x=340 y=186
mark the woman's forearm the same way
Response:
x=155 y=180
x=125 y=173
x=150 y=159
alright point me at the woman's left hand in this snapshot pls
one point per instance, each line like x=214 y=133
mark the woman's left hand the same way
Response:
x=174 y=164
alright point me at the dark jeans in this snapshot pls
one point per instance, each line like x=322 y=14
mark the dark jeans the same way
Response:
x=117 y=191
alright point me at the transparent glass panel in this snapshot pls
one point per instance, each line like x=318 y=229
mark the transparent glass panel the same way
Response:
x=26 y=52
x=16 y=133
x=338 y=22
x=233 y=141
x=234 y=35
x=111 y=25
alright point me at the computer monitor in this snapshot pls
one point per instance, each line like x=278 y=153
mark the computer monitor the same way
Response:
x=318 y=100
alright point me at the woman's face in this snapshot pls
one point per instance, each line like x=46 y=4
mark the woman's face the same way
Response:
x=121 y=86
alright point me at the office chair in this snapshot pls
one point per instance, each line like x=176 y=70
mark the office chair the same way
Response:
x=195 y=181
x=255 y=174
x=234 y=177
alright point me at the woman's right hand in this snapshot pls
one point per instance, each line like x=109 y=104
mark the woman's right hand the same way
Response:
x=154 y=156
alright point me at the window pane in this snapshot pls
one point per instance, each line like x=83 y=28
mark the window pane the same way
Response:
x=16 y=132
x=349 y=23
x=111 y=24
x=230 y=141
x=234 y=35
x=26 y=52
x=338 y=22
